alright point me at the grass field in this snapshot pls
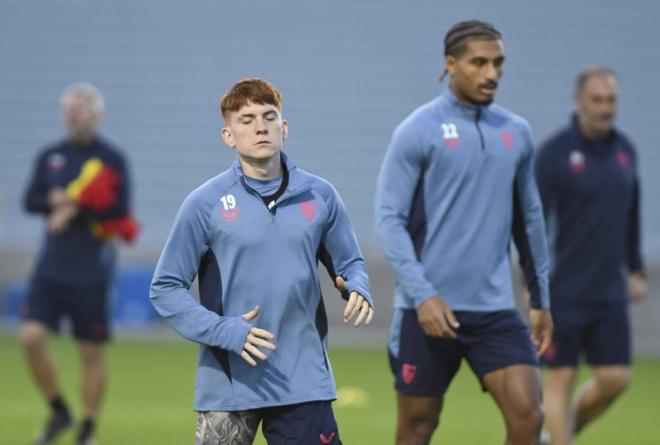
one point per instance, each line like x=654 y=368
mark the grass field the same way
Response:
x=151 y=388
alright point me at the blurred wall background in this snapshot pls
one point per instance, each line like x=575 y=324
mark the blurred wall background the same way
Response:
x=349 y=71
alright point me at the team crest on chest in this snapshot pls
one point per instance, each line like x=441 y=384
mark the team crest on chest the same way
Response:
x=577 y=161
x=623 y=158
x=229 y=210
x=507 y=139
x=56 y=162
x=309 y=210
x=450 y=135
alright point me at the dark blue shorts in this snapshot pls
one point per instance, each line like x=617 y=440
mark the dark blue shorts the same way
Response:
x=49 y=301
x=601 y=333
x=489 y=341
x=304 y=423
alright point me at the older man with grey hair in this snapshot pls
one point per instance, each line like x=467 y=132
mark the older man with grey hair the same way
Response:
x=589 y=183
x=80 y=185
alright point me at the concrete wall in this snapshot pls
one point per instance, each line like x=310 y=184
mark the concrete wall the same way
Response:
x=349 y=70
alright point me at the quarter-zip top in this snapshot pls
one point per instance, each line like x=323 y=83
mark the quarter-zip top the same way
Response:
x=591 y=197
x=245 y=256
x=477 y=115
x=456 y=185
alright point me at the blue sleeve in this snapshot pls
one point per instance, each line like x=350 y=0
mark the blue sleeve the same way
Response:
x=36 y=195
x=341 y=245
x=400 y=175
x=529 y=228
x=175 y=272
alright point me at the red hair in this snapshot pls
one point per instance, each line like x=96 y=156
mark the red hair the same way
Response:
x=253 y=90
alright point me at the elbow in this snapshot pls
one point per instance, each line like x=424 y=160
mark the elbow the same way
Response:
x=157 y=287
x=34 y=207
x=155 y=292
x=154 y=298
x=29 y=203
x=381 y=227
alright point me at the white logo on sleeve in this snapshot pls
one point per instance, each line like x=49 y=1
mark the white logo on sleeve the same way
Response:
x=229 y=210
x=450 y=135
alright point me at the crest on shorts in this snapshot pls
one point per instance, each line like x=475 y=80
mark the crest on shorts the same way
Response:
x=550 y=353
x=408 y=373
x=328 y=438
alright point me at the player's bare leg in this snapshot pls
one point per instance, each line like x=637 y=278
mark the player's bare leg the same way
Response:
x=598 y=393
x=418 y=417
x=517 y=391
x=94 y=375
x=557 y=403
x=34 y=338
x=92 y=387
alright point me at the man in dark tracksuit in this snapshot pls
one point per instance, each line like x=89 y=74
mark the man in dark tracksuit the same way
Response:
x=587 y=176
x=80 y=185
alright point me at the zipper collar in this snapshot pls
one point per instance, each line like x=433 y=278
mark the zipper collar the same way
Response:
x=297 y=184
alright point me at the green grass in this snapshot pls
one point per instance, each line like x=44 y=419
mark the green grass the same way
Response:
x=149 y=399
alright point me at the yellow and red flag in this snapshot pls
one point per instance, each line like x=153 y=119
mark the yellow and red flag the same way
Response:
x=95 y=188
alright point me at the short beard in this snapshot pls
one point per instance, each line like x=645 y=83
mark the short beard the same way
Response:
x=481 y=103
x=477 y=103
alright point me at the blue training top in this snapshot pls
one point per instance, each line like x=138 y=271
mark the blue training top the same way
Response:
x=246 y=254
x=456 y=181
x=590 y=193
x=76 y=255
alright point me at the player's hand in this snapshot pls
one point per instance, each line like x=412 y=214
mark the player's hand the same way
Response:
x=541 y=325
x=437 y=319
x=637 y=287
x=60 y=217
x=357 y=304
x=58 y=197
x=256 y=339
